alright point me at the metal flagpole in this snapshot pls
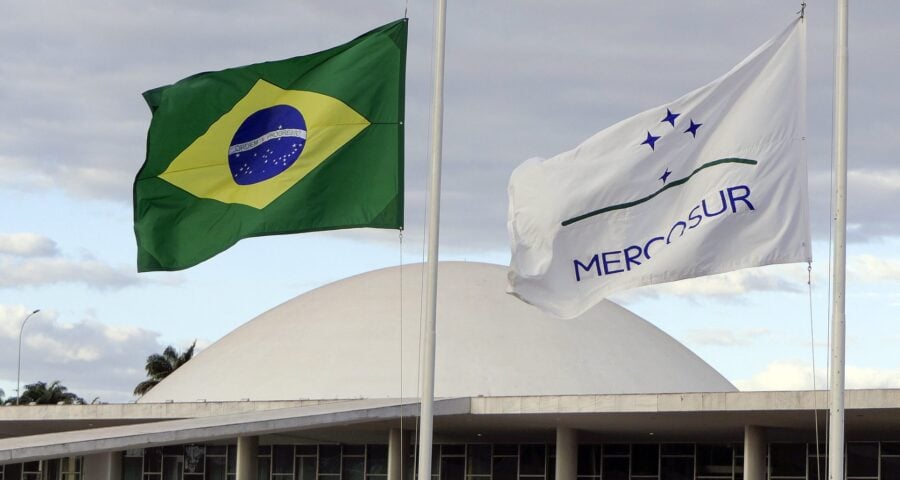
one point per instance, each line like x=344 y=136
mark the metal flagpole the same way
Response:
x=433 y=221
x=839 y=254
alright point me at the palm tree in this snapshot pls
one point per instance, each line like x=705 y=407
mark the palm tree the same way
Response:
x=161 y=366
x=43 y=393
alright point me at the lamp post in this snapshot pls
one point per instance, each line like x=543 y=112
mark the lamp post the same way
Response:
x=19 y=364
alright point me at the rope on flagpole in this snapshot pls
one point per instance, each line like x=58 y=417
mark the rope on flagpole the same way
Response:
x=402 y=460
x=812 y=348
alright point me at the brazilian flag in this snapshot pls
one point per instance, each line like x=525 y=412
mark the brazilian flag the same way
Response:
x=304 y=144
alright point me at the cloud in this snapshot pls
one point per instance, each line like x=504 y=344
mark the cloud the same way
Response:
x=27 y=245
x=797 y=375
x=869 y=268
x=32 y=260
x=724 y=337
x=38 y=272
x=90 y=358
x=789 y=278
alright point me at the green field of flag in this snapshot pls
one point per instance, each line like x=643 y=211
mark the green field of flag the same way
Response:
x=305 y=144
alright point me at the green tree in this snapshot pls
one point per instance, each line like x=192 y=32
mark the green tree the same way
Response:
x=43 y=393
x=160 y=366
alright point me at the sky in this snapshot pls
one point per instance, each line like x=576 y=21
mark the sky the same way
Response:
x=524 y=79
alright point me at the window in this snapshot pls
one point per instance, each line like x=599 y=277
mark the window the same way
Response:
x=715 y=461
x=478 y=460
x=787 y=460
x=862 y=460
x=532 y=461
x=589 y=461
x=645 y=460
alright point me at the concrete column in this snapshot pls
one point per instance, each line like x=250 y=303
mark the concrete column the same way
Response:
x=398 y=453
x=247 y=451
x=755 y=453
x=102 y=466
x=566 y=453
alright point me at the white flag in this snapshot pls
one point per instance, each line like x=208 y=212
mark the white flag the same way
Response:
x=712 y=182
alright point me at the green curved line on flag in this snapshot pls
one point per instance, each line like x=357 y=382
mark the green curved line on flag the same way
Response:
x=673 y=184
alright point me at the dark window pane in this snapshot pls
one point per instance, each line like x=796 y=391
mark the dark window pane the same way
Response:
x=714 y=460
x=676 y=468
x=823 y=449
x=306 y=449
x=862 y=459
x=677 y=449
x=376 y=459
x=452 y=468
x=787 y=459
x=435 y=459
x=890 y=468
x=217 y=449
x=823 y=468
x=890 y=448
x=645 y=459
x=532 y=459
x=506 y=450
x=153 y=460
x=615 y=449
x=306 y=468
x=283 y=459
x=504 y=468
x=453 y=449
x=265 y=450
x=51 y=469
x=131 y=468
x=232 y=458
x=615 y=468
x=196 y=476
x=586 y=460
x=264 y=467
x=173 y=468
x=354 y=449
x=31 y=467
x=215 y=468
x=551 y=468
x=353 y=468
x=193 y=458
x=329 y=459
x=479 y=460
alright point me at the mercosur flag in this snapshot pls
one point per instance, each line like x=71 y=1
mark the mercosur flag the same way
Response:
x=711 y=182
x=297 y=145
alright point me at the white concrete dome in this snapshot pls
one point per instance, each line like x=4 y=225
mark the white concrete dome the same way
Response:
x=343 y=341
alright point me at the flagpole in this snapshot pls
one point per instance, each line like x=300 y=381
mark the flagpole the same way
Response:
x=426 y=413
x=839 y=254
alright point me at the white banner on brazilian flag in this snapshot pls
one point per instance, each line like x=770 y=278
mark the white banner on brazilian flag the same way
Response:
x=712 y=182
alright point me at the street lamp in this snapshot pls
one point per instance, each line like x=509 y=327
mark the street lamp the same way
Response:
x=19 y=365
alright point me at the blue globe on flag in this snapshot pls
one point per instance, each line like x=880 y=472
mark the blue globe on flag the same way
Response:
x=266 y=144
